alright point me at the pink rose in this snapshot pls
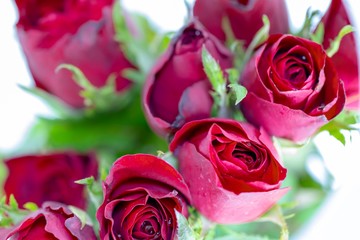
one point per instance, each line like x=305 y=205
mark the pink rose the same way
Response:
x=73 y=32
x=49 y=177
x=177 y=89
x=293 y=88
x=53 y=221
x=245 y=16
x=141 y=194
x=232 y=169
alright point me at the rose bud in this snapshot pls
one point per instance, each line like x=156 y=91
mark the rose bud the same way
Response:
x=141 y=194
x=231 y=168
x=245 y=17
x=53 y=221
x=49 y=177
x=346 y=59
x=293 y=88
x=80 y=33
x=177 y=89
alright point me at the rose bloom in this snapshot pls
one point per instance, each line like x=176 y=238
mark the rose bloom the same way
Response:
x=232 y=169
x=49 y=177
x=80 y=33
x=177 y=89
x=141 y=194
x=51 y=222
x=245 y=16
x=346 y=58
x=293 y=88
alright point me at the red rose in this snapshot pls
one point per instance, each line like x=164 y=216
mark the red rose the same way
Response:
x=245 y=16
x=73 y=32
x=346 y=59
x=51 y=222
x=141 y=194
x=293 y=88
x=231 y=168
x=50 y=177
x=177 y=89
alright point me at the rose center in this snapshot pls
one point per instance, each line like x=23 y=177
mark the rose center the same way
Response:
x=190 y=36
x=237 y=154
x=147 y=228
x=294 y=70
x=242 y=4
x=246 y=156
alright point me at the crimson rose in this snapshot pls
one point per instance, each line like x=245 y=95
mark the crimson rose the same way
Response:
x=74 y=32
x=49 y=177
x=231 y=168
x=293 y=88
x=177 y=89
x=346 y=58
x=245 y=16
x=51 y=222
x=141 y=194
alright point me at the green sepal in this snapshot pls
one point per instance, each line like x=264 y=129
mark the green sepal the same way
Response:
x=94 y=190
x=213 y=72
x=82 y=215
x=318 y=35
x=11 y=214
x=238 y=91
x=184 y=231
x=305 y=31
x=55 y=105
x=97 y=99
x=335 y=44
x=275 y=215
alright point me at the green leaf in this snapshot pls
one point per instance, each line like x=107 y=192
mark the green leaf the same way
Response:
x=184 y=232
x=233 y=75
x=31 y=206
x=82 y=215
x=239 y=91
x=213 y=71
x=345 y=121
x=335 y=44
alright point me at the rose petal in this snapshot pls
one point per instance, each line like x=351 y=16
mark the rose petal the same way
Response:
x=282 y=119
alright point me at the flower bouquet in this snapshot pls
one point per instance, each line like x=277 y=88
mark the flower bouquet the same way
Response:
x=201 y=133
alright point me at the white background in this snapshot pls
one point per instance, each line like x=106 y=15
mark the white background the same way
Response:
x=337 y=219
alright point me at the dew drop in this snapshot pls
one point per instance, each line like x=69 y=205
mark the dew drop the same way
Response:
x=321 y=107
